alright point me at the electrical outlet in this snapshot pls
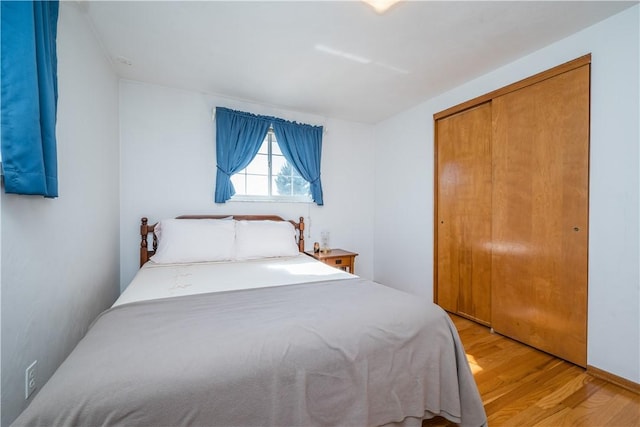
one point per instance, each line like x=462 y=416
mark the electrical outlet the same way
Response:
x=30 y=379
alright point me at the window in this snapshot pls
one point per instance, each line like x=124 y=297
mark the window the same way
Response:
x=239 y=137
x=270 y=176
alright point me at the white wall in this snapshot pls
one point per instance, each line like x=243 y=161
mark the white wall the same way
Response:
x=60 y=257
x=168 y=167
x=614 y=276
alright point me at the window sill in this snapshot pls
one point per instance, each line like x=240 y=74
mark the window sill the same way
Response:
x=272 y=199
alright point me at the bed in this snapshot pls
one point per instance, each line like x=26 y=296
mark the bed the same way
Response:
x=229 y=323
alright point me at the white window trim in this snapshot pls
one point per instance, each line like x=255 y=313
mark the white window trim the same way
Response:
x=277 y=199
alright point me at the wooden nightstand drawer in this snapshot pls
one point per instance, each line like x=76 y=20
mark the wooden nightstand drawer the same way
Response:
x=343 y=261
x=337 y=258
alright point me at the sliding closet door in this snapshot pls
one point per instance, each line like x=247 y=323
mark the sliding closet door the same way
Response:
x=463 y=227
x=540 y=207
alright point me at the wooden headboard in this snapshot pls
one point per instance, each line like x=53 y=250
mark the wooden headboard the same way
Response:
x=146 y=229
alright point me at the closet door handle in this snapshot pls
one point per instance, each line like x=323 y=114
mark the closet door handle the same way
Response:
x=576 y=228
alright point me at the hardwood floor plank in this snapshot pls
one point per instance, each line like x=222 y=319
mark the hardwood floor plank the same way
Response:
x=524 y=387
x=598 y=411
x=527 y=394
x=574 y=383
x=590 y=387
x=628 y=416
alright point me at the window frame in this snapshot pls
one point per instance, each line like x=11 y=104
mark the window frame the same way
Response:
x=271 y=138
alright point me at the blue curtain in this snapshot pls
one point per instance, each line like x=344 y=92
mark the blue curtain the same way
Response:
x=239 y=136
x=29 y=96
x=301 y=145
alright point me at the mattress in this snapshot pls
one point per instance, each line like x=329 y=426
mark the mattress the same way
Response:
x=168 y=280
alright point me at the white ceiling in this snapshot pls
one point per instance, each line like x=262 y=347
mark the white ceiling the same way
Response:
x=331 y=58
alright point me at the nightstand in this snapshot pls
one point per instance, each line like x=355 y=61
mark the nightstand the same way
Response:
x=339 y=258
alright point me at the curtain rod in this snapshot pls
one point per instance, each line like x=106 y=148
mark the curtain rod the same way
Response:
x=213 y=119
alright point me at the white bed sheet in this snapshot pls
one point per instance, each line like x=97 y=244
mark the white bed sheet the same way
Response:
x=155 y=281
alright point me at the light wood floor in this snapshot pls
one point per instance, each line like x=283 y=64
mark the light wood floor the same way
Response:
x=521 y=386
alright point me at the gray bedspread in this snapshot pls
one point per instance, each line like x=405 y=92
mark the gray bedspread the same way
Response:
x=351 y=353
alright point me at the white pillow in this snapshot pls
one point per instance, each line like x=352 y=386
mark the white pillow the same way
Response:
x=265 y=239
x=194 y=240
x=157 y=230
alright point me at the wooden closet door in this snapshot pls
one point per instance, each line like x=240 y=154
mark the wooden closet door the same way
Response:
x=463 y=227
x=540 y=214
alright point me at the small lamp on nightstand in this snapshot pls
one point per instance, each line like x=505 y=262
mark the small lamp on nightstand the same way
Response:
x=324 y=242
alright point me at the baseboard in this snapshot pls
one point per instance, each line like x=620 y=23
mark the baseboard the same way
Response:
x=614 y=379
